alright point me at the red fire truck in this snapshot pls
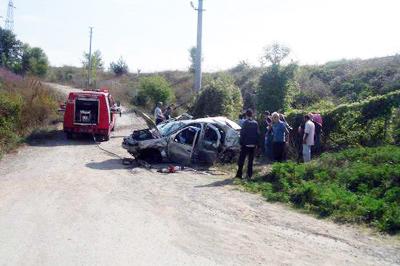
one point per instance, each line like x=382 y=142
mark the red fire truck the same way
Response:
x=90 y=112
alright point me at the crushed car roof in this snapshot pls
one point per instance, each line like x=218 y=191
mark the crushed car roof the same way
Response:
x=218 y=119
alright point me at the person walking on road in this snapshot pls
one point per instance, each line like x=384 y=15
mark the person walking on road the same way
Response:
x=249 y=135
x=308 y=137
x=158 y=113
x=279 y=131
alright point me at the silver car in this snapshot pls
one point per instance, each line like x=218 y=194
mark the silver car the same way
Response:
x=186 y=142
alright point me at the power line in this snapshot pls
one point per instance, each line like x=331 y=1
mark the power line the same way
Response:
x=9 y=23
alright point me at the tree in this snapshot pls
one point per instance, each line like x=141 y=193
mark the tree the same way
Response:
x=192 y=57
x=10 y=50
x=152 y=90
x=33 y=61
x=96 y=63
x=120 y=67
x=220 y=96
x=275 y=53
x=276 y=84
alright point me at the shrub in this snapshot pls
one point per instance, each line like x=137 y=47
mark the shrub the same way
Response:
x=370 y=122
x=120 y=67
x=152 y=90
x=219 y=96
x=354 y=185
x=25 y=105
x=275 y=88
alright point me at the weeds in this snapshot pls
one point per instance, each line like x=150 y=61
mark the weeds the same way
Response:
x=25 y=105
x=357 y=185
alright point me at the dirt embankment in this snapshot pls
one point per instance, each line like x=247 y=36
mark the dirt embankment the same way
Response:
x=68 y=203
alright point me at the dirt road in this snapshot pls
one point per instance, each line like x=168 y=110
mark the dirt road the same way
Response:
x=68 y=203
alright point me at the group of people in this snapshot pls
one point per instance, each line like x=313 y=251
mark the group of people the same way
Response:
x=161 y=115
x=275 y=140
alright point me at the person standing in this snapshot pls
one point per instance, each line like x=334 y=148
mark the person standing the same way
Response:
x=168 y=112
x=158 y=113
x=249 y=135
x=268 y=135
x=308 y=137
x=279 y=131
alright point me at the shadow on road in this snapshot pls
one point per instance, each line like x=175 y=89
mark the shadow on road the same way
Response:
x=57 y=138
x=111 y=164
x=219 y=183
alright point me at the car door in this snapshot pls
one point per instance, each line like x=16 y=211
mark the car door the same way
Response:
x=181 y=145
x=209 y=143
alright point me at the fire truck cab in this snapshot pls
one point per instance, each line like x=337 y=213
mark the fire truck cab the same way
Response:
x=90 y=112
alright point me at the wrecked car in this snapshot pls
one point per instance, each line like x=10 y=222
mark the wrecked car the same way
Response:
x=202 y=141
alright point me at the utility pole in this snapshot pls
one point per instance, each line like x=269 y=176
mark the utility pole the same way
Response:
x=90 y=59
x=198 y=74
x=9 y=23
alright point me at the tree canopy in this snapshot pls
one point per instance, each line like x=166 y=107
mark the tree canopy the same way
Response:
x=220 y=96
x=21 y=58
x=120 y=67
x=276 y=83
x=152 y=90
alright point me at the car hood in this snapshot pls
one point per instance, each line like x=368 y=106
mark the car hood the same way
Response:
x=150 y=123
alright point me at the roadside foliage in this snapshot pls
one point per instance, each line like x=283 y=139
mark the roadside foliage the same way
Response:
x=360 y=185
x=25 y=105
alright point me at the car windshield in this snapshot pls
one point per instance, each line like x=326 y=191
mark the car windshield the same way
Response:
x=168 y=128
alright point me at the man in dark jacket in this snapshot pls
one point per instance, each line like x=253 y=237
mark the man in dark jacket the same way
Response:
x=249 y=137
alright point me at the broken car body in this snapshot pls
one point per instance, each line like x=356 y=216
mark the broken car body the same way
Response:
x=203 y=140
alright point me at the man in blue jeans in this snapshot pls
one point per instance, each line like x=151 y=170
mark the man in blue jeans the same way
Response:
x=249 y=135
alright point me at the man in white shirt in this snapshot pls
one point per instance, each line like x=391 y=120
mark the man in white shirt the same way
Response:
x=158 y=114
x=308 y=138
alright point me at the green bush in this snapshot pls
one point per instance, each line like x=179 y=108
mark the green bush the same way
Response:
x=120 y=67
x=371 y=122
x=355 y=185
x=219 y=96
x=24 y=107
x=153 y=89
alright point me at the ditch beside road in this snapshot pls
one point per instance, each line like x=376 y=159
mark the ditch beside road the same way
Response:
x=66 y=202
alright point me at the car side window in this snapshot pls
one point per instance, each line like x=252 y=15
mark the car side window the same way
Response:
x=210 y=135
x=186 y=136
x=211 y=138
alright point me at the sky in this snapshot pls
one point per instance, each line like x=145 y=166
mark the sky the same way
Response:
x=155 y=35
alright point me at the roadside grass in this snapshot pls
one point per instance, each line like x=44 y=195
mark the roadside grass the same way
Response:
x=359 y=185
x=26 y=106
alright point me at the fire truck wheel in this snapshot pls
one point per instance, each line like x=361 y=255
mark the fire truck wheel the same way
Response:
x=106 y=137
x=69 y=135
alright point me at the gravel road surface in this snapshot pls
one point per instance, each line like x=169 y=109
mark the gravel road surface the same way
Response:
x=67 y=202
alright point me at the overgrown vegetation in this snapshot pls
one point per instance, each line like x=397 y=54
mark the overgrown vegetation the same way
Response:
x=120 y=67
x=21 y=58
x=219 y=96
x=25 y=105
x=152 y=90
x=356 y=185
x=276 y=83
x=371 y=122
